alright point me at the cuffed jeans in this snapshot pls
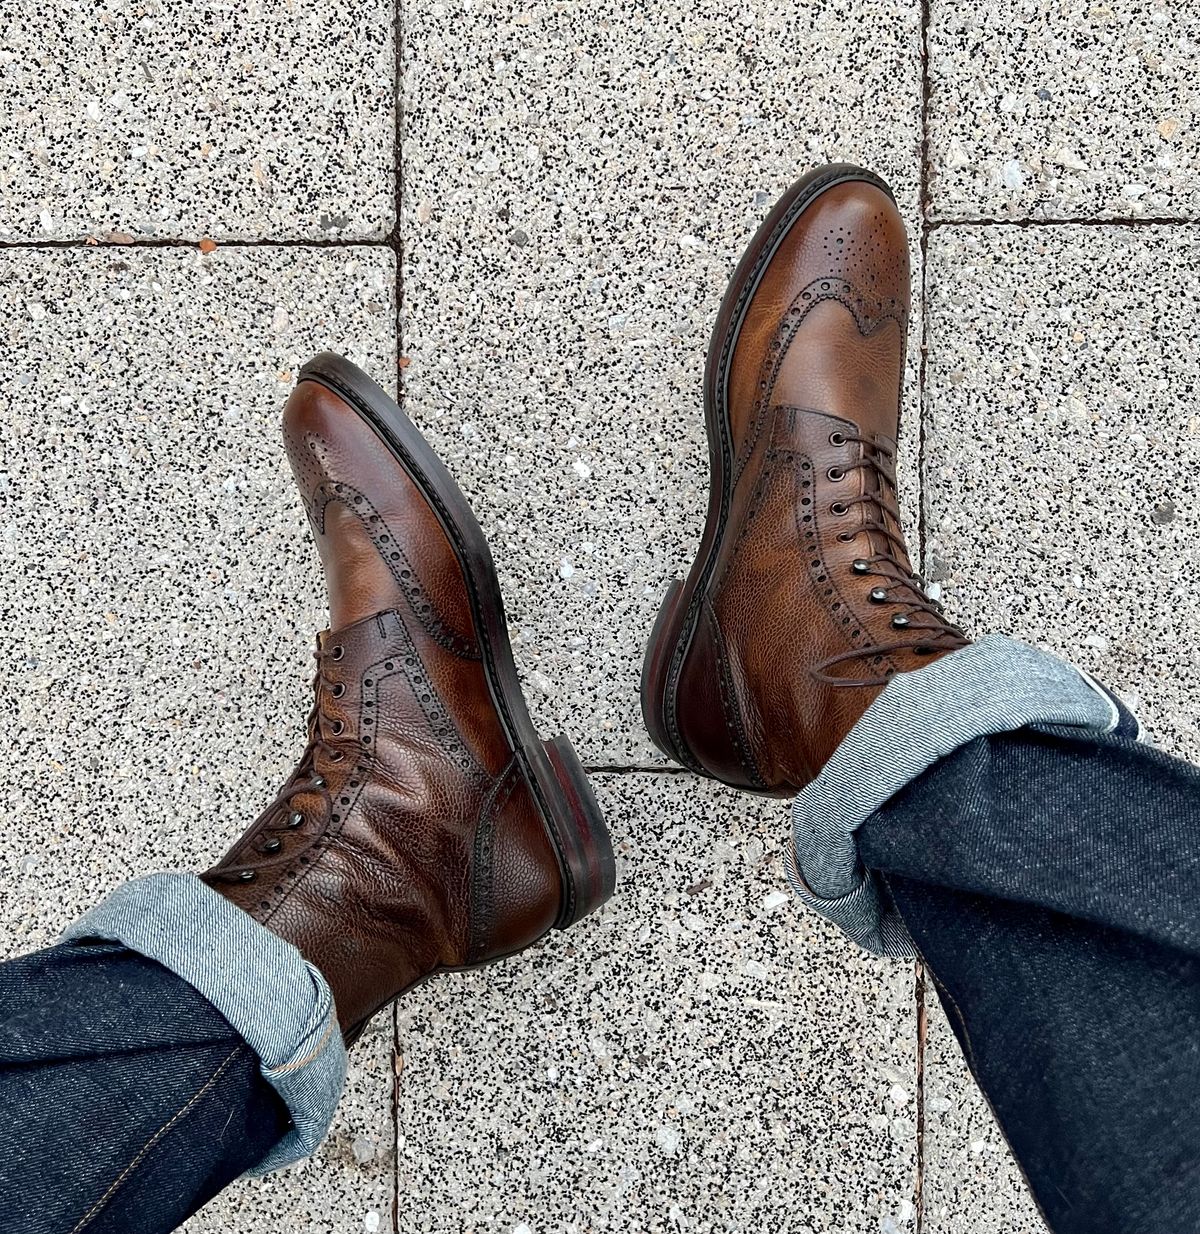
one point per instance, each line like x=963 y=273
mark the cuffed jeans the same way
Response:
x=166 y=1046
x=126 y=1099
x=1046 y=867
x=994 y=813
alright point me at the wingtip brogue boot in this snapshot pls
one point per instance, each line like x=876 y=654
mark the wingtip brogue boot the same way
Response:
x=427 y=827
x=802 y=601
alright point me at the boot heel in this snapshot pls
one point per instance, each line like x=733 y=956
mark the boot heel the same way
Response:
x=655 y=667
x=579 y=834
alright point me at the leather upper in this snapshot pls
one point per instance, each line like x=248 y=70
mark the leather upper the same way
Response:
x=812 y=397
x=407 y=839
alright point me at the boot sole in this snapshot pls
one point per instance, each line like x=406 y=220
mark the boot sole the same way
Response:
x=568 y=807
x=679 y=614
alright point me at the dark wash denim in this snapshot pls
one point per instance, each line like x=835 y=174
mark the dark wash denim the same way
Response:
x=126 y=1100
x=1049 y=878
x=1051 y=882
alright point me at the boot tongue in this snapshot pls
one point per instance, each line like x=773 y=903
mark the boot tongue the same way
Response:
x=878 y=485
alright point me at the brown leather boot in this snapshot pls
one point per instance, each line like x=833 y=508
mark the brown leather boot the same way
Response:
x=427 y=827
x=801 y=602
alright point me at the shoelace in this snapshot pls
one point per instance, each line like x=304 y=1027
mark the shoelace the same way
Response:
x=280 y=815
x=900 y=587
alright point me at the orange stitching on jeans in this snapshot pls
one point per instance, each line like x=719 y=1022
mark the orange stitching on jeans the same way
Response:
x=311 y=1056
x=150 y=1143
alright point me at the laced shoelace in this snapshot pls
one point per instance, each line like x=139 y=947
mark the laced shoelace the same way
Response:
x=281 y=815
x=918 y=621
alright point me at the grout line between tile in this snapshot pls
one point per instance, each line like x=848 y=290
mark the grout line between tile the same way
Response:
x=920 y=986
x=393 y=240
x=634 y=769
x=936 y=224
x=926 y=225
x=396 y=1075
x=396 y=240
x=175 y=242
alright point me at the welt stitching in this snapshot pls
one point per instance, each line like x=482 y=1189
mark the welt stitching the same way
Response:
x=150 y=1143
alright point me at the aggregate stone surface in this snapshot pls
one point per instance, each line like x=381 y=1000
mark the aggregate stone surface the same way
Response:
x=1064 y=110
x=1063 y=449
x=170 y=119
x=578 y=188
x=579 y=180
x=701 y=1055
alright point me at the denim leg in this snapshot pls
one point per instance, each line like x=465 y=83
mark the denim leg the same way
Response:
x=126 y=1100
x=1051 y=882
x=280 y=1005
x=1083 y=1040
x=996 y=813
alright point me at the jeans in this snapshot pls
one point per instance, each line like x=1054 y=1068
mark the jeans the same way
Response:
x=126 y=1099
x=994 y=813
x=168 y=1045
x=1004 y=821
x=1052 y=884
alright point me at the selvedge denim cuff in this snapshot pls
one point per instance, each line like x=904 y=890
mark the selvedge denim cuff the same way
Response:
x=272 y=997
x=995 y=685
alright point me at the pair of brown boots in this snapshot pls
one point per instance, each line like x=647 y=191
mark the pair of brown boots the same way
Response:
x=427 y=826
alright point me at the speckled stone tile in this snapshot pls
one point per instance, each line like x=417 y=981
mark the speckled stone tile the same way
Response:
x=156 y=574
x=161 y=594
x=1062 y=472
x=578 y=187
x=1064 y=110
x=246 y=119
x=972 y=1184
x=702 y=1055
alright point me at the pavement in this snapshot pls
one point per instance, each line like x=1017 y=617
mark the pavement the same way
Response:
x=525 y=214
